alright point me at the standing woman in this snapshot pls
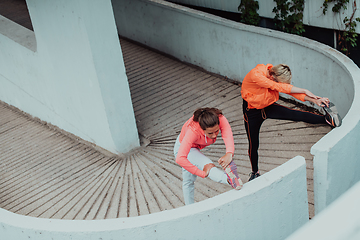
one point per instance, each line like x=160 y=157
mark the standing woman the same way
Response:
x=260 y=90
x=198 y=132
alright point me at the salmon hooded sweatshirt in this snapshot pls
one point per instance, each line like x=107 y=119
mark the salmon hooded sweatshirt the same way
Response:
x=260 y=92
x=192 y=136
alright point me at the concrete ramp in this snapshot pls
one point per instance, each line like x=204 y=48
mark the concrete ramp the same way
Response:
x=48 y=173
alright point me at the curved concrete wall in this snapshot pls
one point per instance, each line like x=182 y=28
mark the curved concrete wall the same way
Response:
x=341 y=220
x=232 y=49
x=70 y=71
x=313 y=11
x=279 y=198
x=272 y=207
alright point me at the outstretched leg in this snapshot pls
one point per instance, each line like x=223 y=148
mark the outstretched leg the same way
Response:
x=277 y=111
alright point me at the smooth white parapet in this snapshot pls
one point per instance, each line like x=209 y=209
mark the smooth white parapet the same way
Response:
x=341 y=220
x=232 y=49
x=272 y=206
x=312 y=14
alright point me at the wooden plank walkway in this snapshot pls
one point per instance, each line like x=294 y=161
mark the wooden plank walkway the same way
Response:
x=50 y=174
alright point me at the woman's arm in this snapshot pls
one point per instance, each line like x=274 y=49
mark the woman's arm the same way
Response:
x=320 y=101
x=305 y=91
x=183 y=152
x=227 y=136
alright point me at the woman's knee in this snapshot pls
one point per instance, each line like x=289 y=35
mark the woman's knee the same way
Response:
x=198 y=158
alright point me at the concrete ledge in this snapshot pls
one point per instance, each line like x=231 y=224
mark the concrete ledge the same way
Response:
x=236 y=48
x=281 y=193
x=313 y=14
x=18 y=33
x=341 y=220
x=339 y=145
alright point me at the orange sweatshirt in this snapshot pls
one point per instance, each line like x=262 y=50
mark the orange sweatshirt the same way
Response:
x=192 y=136
x=260 y=92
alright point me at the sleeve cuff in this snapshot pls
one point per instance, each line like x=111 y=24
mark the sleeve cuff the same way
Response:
x=200 y=173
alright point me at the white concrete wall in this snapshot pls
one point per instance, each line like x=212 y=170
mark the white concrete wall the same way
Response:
x=313 y=11
x=70 y=71
x=336 y=158
x=271 y=207
x=232 y=49
x=341 y=220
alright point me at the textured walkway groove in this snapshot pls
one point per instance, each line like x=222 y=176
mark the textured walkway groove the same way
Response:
x=46 y=173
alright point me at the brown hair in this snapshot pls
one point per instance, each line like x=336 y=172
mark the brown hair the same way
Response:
x=281 y=73
x=207 y=117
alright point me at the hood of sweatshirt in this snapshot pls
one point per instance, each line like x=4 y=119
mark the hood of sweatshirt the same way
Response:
x=195 y=127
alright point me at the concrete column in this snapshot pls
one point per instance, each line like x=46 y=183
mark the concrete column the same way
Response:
x=82 y=73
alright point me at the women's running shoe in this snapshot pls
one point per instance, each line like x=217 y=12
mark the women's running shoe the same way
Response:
x=233 y=177
x=332 y=116
x=254 y=175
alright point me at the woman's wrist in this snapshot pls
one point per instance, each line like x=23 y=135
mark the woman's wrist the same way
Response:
x=229 y=153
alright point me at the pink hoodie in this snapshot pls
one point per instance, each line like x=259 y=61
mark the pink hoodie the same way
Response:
x=192 y=136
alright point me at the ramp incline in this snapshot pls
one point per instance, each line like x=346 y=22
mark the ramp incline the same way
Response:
x=48 y=173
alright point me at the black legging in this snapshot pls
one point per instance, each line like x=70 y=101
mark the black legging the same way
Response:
x=253 y=118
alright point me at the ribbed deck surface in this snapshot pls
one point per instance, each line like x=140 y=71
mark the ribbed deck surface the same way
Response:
x=45 y=173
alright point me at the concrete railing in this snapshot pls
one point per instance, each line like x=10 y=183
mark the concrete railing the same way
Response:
x=339 y=221
x=273 y=207
x=232 y=49
x=278 y=198
x=312 y=14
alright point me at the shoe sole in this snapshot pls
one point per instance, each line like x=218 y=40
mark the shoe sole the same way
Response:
x=334 y=114
x=236 y=183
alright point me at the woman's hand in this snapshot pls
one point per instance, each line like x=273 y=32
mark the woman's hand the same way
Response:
x=207 y=168
x=225 y=160
x=321 y=101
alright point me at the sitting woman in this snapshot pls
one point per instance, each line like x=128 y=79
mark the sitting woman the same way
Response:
x=198 y=132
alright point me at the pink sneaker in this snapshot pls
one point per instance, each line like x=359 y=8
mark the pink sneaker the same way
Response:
x=233 y=177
